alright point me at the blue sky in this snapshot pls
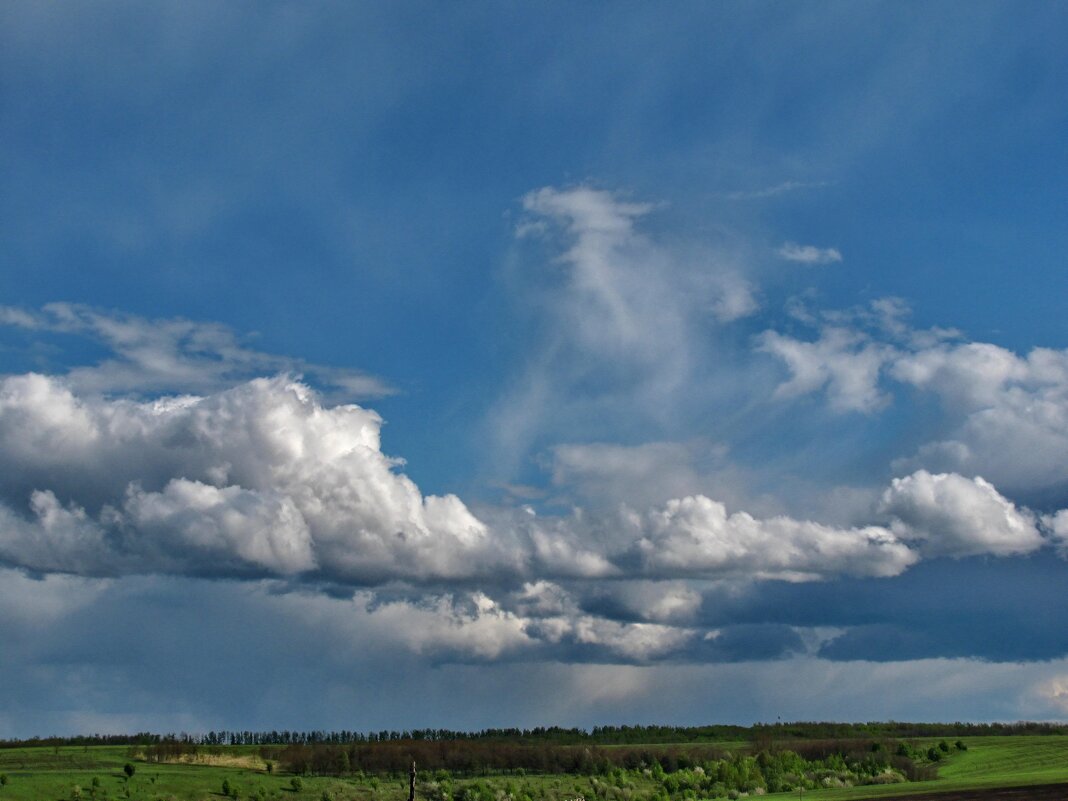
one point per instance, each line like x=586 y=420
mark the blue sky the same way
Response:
x=380 y=366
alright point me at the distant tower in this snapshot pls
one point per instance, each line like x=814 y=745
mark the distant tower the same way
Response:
x=411 y=782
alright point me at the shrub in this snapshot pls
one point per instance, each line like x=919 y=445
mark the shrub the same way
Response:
x=296 y=784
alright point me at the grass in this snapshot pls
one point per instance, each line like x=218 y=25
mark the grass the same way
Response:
x=988 y=762
x=48 y=774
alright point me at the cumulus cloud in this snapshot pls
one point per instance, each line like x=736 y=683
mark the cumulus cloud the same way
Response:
x=950 y=515
x=696 y=535
x=1057 y=525
x=265 y=480
x=808 y=254
x=1009 y=412
x=1006 y=413
x=172 y=355
x=259 y=478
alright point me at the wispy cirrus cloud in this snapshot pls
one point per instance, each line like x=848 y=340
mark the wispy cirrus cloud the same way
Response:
x=173 y=355
x=808 y=254
x=775 y=190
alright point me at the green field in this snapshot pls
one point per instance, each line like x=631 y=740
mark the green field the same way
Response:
x=988 y=762
x=66 y=773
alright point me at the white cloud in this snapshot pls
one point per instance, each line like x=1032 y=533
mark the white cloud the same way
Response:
x=261 y=477
x=845 y=362
x=230 y=527
x=173 y=355
x=808 y=254
x=479 y=628
x=772 y=191
x=1057 y=525
x=950 y=515
x=1006 y=413
x=696 y=536
x=1011 y=413
x=639 y=641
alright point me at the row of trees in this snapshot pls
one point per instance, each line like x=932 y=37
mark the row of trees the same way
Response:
x=761 y=734
x=468 y=758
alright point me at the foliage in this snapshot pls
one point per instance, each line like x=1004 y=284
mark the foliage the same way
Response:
x=760 y=734
x=824 y=770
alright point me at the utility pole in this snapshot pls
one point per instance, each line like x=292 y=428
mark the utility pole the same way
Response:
x=411 y=782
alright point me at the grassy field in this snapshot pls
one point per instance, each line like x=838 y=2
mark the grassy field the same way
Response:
x=988 y=762
x=68 y=773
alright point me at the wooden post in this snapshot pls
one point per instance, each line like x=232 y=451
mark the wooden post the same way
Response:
x=411 y=782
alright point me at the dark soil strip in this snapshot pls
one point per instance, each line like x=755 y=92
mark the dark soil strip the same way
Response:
x=1038 y=792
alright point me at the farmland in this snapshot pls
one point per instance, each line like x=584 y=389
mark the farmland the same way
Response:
x=820 y=770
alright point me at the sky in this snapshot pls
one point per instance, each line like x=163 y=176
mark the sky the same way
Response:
x=400 y=365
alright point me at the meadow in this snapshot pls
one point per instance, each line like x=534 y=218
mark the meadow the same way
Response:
x=256 y=773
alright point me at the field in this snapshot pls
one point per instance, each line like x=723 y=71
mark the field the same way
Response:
x=96 y=773
x=989 y=762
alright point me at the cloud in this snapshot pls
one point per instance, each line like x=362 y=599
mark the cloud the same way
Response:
x=696 y=536
x=172 y=355
x=1006 y=414
x=265 y=480
x=950 y=515
x=619 y=320
x=773 y=191
x=845 y=362
x=1057 y=525
x=808 y=254
x=138 y=646
x=604 y=472
x=261 y=478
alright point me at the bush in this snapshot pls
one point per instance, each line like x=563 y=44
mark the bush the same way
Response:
x=296 y=784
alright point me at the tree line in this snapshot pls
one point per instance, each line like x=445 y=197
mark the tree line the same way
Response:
x=760 y=733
